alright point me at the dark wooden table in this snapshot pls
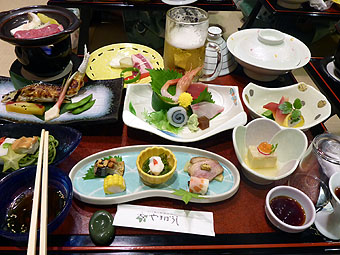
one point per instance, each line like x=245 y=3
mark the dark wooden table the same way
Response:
x=240 y=223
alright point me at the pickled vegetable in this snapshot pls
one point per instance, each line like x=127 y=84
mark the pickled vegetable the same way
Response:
x=25 y=108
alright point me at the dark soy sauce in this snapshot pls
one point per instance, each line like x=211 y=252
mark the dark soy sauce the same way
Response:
x=288 y=210
x=337 y=192
x=19 y=212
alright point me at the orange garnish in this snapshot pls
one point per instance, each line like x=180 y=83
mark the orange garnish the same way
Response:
x=265 y=148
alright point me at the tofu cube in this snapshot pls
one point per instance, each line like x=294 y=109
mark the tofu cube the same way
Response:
x=258 y=160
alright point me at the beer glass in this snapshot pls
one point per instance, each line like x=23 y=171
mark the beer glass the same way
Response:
x=186 y=32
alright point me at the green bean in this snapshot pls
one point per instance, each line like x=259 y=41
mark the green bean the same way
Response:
x=80 y=103
x=84 y=107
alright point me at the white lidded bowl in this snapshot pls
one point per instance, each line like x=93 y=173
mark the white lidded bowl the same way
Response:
x=316 y=108
x=292 y=143
x=265 y=54
x=301 y=198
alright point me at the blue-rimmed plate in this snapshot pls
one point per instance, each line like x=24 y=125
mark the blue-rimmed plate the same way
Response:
x=68 y=137
x=107 y=94
x=92 y=192
x=139 y=96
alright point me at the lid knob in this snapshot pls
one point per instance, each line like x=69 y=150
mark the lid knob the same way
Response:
x=270 y=36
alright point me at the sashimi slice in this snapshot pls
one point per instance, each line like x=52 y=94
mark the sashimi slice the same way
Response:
x=271 y=106
x=279 y=116
x=277 y=113
x=195 y=89
x=140 y=62
x=206 y=109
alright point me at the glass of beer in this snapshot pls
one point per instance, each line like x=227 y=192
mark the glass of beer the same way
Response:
x=186 y=34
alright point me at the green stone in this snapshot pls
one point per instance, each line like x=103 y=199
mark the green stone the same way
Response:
x=101 y=228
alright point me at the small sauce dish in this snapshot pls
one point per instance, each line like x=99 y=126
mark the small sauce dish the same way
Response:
x=300 y=198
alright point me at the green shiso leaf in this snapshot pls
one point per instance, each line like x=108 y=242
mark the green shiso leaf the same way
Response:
x=160 y=121
x=19 y=81
x=186 y=195
x=204 y=96
x=132 y=109
x=159 y=77
x=90 y=173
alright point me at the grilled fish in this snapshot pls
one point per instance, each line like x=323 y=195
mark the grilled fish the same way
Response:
x=41 y=93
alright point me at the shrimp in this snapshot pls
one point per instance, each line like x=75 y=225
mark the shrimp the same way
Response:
x=182 y=84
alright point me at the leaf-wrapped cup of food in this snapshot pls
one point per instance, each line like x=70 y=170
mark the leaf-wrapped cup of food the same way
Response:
x=156 y=165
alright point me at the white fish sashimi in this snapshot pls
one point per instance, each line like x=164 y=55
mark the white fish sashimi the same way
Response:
x=206 y=109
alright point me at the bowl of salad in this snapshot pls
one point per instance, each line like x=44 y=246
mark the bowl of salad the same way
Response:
x=156 y=165
x=298 y=106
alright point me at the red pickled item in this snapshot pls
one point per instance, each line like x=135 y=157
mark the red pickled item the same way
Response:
x=288 y=210
x=2 y=139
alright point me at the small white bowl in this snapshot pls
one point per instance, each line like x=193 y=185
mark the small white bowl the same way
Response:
x=302 y=199
x=267 y=53
x=292 y=143
x=316 y=108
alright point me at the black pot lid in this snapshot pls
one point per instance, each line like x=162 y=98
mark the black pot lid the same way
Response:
x=14 y=18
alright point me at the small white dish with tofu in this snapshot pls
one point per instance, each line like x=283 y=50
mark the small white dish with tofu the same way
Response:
x=262 y=164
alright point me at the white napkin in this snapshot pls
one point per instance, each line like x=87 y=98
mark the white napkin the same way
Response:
x=320 y=5
x=184 y=221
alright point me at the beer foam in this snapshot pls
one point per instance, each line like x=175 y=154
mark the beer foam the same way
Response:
x=186 y=38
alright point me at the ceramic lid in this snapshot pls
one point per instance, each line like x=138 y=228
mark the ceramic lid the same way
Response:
x=268 y=48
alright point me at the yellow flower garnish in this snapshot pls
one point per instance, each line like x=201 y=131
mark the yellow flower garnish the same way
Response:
x=185 y=99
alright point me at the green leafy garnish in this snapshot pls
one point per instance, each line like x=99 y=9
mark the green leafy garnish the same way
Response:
x=160 y=121
x=19 y=81
x=287 y=108
x=186 y=195
x=273 y=148
x=295 y=117
x=159 y=77
x=6 y=145
x=132 y=109
x=204 y=96
x=90 y=173
x=297 y=103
